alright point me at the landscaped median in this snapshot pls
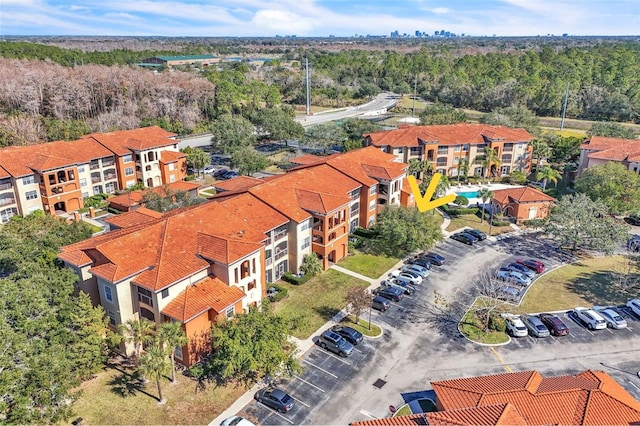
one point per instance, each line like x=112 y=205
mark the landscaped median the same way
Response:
x=482 y=323
x=363 y=326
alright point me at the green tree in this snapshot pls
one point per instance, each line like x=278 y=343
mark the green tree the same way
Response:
x=547 y=174
x=579 y=222
x=324 y=136
x=485 y=194
x=197 y=158
x=278 y=124
x=358 y=300
x=564 y=149
x=139 y=332
x=354 y=129
x=514 y=116
x=463 y=167
x=252 y=346
x=311 y=265
x=489 y=158
x=442 y=114
x=155 y=363
x=418 y=167
x=541 y=150
x=231 y=133
x=517 y=177
x=613 y=185
x=611 y=130
x=173 y=336
x=402 y=230
x=247 y=160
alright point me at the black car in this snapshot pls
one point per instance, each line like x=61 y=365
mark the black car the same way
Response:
x=434 y=258
x=219 y=173
x=275 y=398
x=379 y=303
x=391 y=293
x=481 y=236
x=463 y=237
x=230 y=175
x=421 y=262
x=406 y=287
x=352 y=335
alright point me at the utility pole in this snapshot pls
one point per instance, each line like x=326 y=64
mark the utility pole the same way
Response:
x=306 y=62
x=564 y=106
x=415 y=90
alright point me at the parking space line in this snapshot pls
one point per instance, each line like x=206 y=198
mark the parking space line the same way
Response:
x=321 y=369
x=629 y=328
x=589 y=331
x=633 y=384
x=506 y=367
x=336 y=357
x=277 y=414
x=310 y=384
x=368 y=414
x=609 y=330
x=306 y=405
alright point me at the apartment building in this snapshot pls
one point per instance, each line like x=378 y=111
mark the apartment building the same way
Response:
x=600 y=150
x=443 y=146
x=57 y=176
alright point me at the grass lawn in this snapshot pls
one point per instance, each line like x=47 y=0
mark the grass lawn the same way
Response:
x=403 y=411
x=315 y=302
x=471 y=327
x=408 y=103
x=586 y=283
x=114 y=398
x=473 y=221
x=363 y=325
x=207 y=192
x=368 y=265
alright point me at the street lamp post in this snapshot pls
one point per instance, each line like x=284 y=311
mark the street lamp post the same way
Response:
x=370 y=303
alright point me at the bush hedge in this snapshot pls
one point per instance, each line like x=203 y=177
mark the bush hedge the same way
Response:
x=294 y=279
x=497 y=323
x=459 y=211
x=365 y=233
x=282 y=292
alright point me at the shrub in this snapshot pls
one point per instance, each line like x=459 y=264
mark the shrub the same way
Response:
x=365 y=233
x=452 y=211
x=295 y=279
x=190 y=177
x=461 y=200
x=497 y=323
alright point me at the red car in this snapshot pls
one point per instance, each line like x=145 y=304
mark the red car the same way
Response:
x=554 y=324
x=533 y=264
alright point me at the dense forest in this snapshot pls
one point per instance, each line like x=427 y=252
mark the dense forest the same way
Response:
x=49 y=92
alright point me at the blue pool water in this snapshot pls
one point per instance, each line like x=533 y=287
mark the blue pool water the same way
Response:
x=470 y=194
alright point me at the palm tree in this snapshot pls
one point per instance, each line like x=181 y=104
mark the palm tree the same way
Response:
x=548 y=174
x=463 y=167
x=541 y=150
x=419 y=168
x=155 y=363
x=138 y=332
x=490 y=158
x=484 y=194
x=311 y=265
x=172 y=335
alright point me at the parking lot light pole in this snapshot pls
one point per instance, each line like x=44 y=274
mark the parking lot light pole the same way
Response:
x=490 y=218
x=370 y=303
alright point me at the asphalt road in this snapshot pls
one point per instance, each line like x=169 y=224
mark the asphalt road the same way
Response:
x=415 y=349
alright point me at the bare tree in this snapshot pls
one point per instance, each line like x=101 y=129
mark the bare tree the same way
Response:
x=625 y=277
x=358 y=301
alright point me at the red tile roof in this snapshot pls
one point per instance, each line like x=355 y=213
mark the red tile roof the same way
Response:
x=450 y=134
x=521 y=195
x=410 y=420
x=134 y=198
x=133 y=218
x=210 y=293
x=499 y=414
x=614 y=149
x=171 y=156
x=240 y=183
x=160 y=252
x=123 y=142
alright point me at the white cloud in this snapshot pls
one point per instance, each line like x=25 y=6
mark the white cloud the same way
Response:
x=120 y=15
x=281 y=21
x=440 y=10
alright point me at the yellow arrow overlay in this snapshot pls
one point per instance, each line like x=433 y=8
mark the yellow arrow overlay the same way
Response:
x=423 y=202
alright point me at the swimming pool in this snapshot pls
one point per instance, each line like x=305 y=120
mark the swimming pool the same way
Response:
x=470 y=194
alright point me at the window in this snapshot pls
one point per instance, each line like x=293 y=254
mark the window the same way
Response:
x=165 y=293
x=465 y=147
x=230 y=312
x=85 y=195
x=172 y=166
x=522 y=145
x=177 y=352
x=305 y=243
x=456 y=148
x=373 y=190
x=6 y=214
x=130 y=183
x=128 y=171
x=80 y=169
x=107 y=294
x=97 y=190
x=172 y=178
x=31 y=195
x=372 y=205
x=28 y=180
x=110 y=187
x=83 y=182
x=112 y=317
x=442 y=161
x=456 y=160
x=144 y=296
x=235 y=274
x=443 y=150
x=253 y=266
x=127 y=158
x=305 y=225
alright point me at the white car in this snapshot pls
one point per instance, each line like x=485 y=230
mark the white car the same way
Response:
x=209 y=169
x=634 y=305
x=412 y=277
x=613 y=319
x=236 y=421
x=591 y=318
x=420 y=270
x=516 y=327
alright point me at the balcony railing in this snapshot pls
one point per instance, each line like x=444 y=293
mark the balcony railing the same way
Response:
x=109 y=176
x=7 y=201
x=95 y=180
x=5 y=186
x=107 y=163
x=94 y=166
x=269 y=241
x=280 y=254
x=280 y=235
x=268 y=261
x=145 y=299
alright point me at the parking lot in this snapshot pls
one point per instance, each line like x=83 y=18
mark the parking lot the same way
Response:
x=415 y=350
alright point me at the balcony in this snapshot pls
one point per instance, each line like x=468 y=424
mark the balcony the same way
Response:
x=7 y=201
x=268 y=242
x=108 y=162
x=318 y=227
x=317 y=239
x=279 y=235
x=279 y=255
x=5 y=186
x=94 y=165
x=145 y=299
x=268 y=261
x=109 y=176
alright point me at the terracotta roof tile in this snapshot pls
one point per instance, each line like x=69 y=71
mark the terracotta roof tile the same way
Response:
x=123 y=141
x=224 y=250
x=522 y=194
x=240 y=183
x=307 y=159
x=411 y=420
x=210 y=293
x=450 y=134
x=319 y=202
x=171 y=156
x=614 y=149
x=133 y=218
x=499 y=414
x=134 y=198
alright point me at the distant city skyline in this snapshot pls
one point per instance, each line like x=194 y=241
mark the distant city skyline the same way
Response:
x=319 y=18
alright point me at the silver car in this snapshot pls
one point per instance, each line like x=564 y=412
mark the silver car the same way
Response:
x=613 y=319
x=535 y=326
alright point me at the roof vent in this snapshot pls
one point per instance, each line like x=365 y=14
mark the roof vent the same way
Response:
x=241 y=233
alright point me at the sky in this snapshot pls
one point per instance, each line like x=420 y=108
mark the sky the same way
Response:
x=318 y=18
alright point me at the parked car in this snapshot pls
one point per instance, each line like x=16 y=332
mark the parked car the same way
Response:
x=591 y=318
x=463 y=237
x=508 y=293
x=275 y=398
x=335 y=343
x=481 y=236
x=219 y=173
x=535 y=326
x=391 y=293
x=209 y=169
x=420 y=262
x=634 y=305
x=516 y=327
x=533 y=264
x=379 y=303
x=403 y=285
x=423 y=272
x=529 y=273
x=236 y=421
x=506 y=274
x=352 y=335
x=434 y=258
x=410 y=276
x=613 y=319
x=230 y=175
x=555 y=325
